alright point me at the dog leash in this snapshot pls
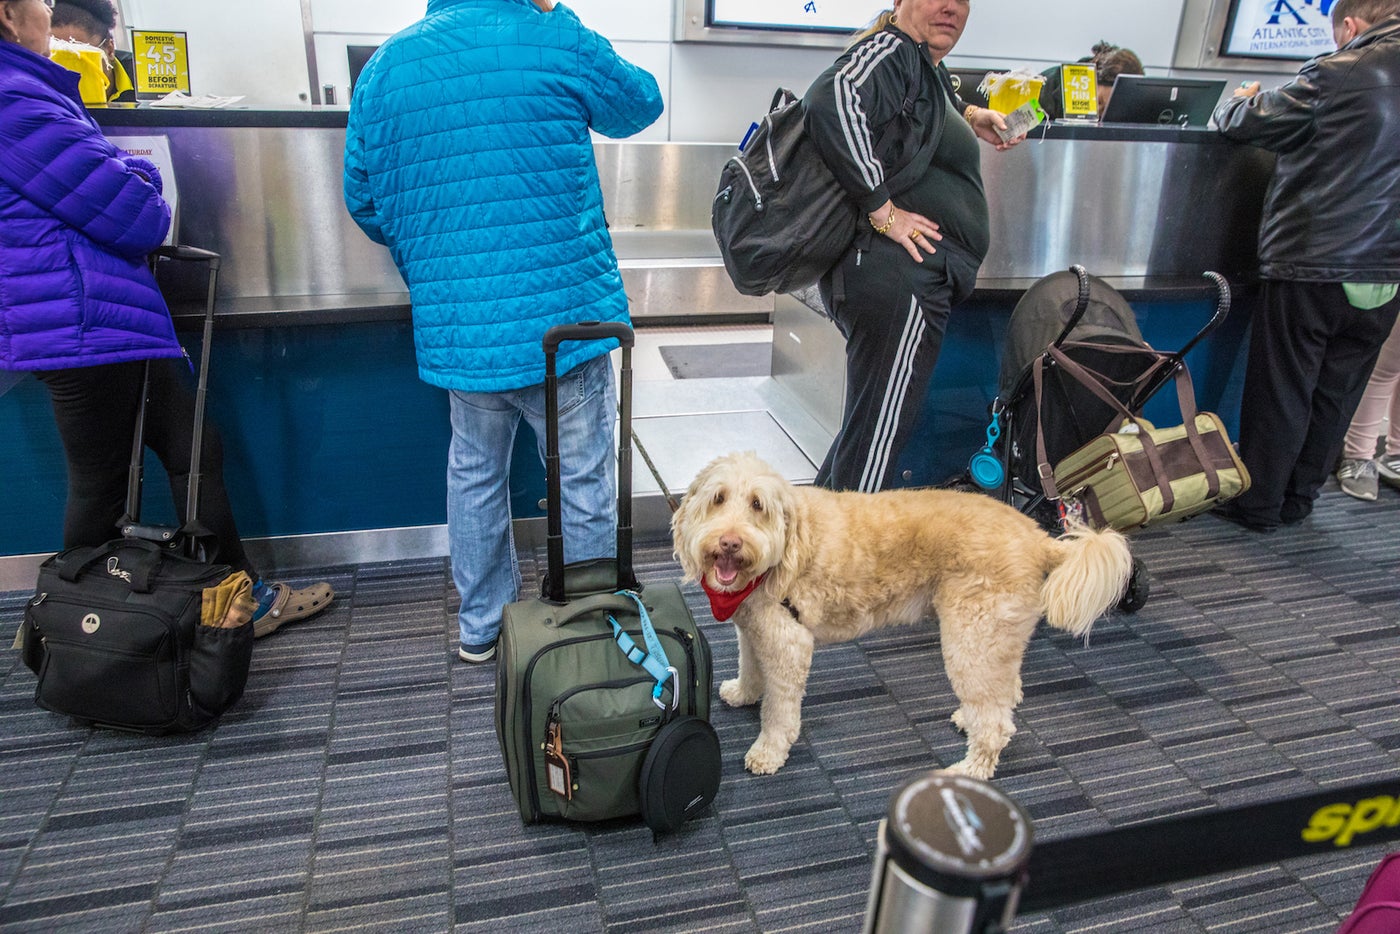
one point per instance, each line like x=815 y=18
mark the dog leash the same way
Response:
x=671 y=501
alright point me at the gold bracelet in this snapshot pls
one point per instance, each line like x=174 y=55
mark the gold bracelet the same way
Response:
x=885 y=227
x=967 y=112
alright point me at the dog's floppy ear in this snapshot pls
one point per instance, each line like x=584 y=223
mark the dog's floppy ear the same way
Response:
x=686 y=520
x=796 y=541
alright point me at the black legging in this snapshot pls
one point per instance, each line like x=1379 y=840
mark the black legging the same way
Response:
x=95 y=408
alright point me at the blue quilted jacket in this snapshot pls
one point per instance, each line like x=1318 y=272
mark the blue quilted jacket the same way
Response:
x=77 y=218
x=468 y=154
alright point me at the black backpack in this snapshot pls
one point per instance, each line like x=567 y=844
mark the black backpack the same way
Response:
x=780 y=217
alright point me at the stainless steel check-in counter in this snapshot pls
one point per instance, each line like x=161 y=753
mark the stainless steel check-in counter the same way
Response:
x=263 y=188
x=336 y=450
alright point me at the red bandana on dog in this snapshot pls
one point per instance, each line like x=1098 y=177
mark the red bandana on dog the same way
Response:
x=723 y=604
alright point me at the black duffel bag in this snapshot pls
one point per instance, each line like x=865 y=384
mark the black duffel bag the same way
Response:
x=114 y=633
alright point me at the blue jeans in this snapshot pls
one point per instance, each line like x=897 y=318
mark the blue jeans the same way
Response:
x=484 y=565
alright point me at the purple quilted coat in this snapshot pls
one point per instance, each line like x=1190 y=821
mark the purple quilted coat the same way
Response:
x=77 y=218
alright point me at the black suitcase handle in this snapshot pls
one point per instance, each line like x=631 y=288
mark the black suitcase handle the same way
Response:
x=130 y=523
x=586 y=331
x=554 y=538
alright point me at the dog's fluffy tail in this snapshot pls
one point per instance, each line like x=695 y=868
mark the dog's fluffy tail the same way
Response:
x=1092 y=574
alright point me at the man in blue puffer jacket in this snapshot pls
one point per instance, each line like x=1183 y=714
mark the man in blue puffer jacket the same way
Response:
x=468 y=155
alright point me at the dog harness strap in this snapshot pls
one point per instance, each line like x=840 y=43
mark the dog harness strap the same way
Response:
x=654 y=659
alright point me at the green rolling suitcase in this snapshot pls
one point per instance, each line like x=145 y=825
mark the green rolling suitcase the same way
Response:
x=580 y=700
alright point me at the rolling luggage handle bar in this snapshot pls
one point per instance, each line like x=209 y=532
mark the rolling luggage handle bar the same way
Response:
x=554 y=538
x=131 y=521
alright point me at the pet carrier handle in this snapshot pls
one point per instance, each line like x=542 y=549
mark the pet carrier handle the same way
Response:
x=1222 y=308
x=1081 y=304
x=554 y=513
x=1185 y=390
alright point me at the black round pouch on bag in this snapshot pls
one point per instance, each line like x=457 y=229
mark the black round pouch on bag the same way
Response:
x=680 y=775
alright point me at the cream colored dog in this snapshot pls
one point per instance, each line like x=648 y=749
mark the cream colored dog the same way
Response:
x=809 y=566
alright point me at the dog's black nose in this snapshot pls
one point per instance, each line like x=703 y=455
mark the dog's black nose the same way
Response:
x=730 y=544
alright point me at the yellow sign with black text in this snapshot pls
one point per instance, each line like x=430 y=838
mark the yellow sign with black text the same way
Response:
x=1079 y=89
x=162 y=62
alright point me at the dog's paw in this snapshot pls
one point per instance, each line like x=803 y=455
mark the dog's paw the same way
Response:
x=959 y=721
x=972 y=769
x=765 y=758
x=729 y=693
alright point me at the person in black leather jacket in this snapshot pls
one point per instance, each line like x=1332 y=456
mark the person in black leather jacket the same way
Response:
x=1329 y=257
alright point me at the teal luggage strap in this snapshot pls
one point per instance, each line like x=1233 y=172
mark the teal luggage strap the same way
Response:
x=653 y=659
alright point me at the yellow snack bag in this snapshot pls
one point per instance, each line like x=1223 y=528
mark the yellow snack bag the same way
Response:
x=1007 y=91
x=90 y=64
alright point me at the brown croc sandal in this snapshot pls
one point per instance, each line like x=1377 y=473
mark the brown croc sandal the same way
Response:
x=290 y=605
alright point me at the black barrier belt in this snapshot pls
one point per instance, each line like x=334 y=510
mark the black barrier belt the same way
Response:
x=1080 y=868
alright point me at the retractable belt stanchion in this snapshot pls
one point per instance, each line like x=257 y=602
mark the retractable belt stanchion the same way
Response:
x=951 y=859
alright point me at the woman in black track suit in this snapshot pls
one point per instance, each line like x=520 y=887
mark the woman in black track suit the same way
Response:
x=881 y=112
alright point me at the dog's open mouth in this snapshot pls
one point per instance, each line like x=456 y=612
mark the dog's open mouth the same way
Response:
x=726 y=569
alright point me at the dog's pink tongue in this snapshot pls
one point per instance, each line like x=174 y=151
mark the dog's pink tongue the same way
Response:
x=726 y=569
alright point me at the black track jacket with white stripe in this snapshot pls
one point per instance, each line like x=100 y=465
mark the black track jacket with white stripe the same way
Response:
x=871 y=111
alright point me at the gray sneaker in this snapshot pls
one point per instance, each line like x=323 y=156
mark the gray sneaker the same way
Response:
x=1359 y=478
x=1388 y=466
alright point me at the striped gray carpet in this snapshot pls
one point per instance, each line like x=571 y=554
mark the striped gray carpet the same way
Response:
x=358 y=785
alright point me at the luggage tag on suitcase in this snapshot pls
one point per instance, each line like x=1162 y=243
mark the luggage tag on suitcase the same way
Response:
x=557 y=767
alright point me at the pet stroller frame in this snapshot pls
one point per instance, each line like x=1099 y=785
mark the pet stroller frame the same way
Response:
x=1067 y=413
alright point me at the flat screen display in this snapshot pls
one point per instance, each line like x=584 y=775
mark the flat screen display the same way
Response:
x=358 y=56
x=1285 y=29
x=794 y=15
x=1163 y=101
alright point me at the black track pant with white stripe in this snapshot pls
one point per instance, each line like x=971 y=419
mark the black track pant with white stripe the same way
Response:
x=893 y=313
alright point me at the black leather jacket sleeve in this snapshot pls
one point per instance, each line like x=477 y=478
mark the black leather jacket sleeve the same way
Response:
x=1279 y=120
x=1332 y=210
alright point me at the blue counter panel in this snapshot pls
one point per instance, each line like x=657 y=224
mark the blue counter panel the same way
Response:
x=326 y=429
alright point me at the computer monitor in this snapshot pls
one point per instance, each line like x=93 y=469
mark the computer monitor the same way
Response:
x=358 y=57
x=1163 y=101
x=967 y=80
x=1259 y=29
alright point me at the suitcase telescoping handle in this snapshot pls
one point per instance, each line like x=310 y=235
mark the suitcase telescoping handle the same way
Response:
x=554 y=539
x=131 y=522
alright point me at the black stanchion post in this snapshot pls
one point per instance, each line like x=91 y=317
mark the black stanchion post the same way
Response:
x=951 y=859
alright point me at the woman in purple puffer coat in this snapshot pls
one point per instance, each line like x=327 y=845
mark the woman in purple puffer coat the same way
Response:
x=80 y=308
